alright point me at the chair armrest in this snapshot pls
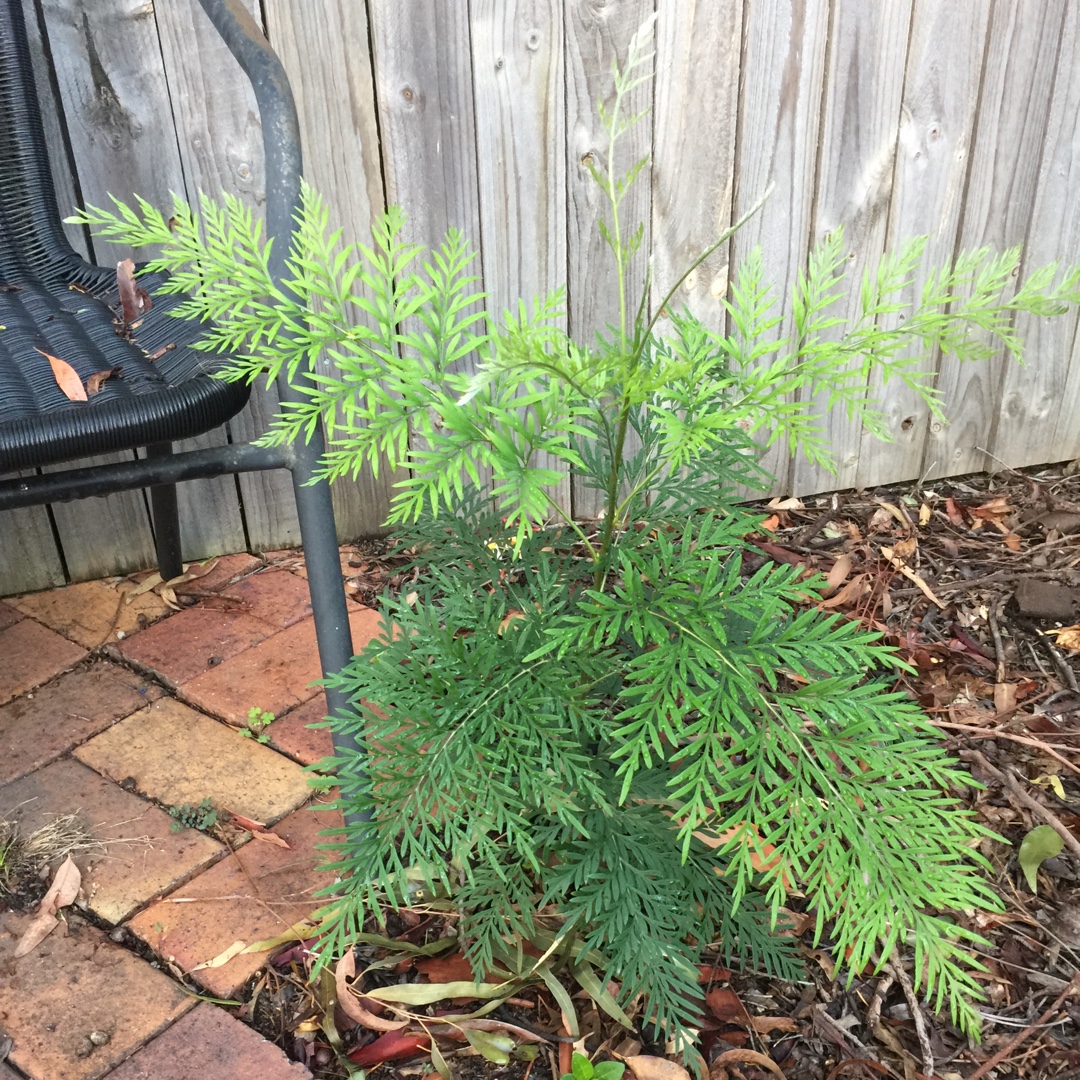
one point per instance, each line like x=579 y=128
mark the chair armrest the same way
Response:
x=277 y=111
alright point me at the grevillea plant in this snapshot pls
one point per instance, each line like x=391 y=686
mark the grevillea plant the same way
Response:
x=605 y=738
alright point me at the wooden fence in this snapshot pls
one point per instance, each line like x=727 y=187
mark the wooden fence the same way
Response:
x=956 y=118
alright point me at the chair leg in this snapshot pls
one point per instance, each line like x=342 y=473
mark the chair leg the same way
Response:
x=318 y=533
x=166 y=521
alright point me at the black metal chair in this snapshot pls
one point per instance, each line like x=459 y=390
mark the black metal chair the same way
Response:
x=154 y=402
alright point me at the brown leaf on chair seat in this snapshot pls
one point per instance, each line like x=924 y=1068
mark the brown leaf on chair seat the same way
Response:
x=134 y=299
x=93 y=384
x=66 y=377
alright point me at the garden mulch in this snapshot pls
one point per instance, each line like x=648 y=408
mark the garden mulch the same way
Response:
x=119 y=701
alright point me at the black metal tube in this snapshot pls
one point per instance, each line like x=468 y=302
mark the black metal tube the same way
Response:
x=166 y=520
x=284 y=166
x=129 y=475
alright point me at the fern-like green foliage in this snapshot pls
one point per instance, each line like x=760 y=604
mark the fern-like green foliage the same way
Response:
x=611 y=726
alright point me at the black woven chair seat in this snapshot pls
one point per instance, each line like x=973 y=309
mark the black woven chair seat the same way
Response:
x=52 y=301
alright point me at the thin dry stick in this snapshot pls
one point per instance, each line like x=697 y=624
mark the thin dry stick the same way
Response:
x=983 y=733
x=1038 y=809
x=1012 y=782
x=1009 y=1047
x=898 y=969
x=999 y=649
x=873 y=1013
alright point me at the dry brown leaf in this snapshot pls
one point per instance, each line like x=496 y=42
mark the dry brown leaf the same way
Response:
x=786 y=504
x=912 y=577
x=838 y=574
x=350 y=1006
x=93 y=384
x=134 y=299
x=851 y=593
x=66 y=377
x=905 y=548
x=1068 y=637
x=725 y=1005
x=993 y=510
x=895 y=511
x=765 y=1025
x=645 y=1067
x=507 y=619
x=718 y=1070
x=223 y=957
x=1004 y=697
x=1012 y=541
x=925 y=514
x=62 y=892
x=257 y=829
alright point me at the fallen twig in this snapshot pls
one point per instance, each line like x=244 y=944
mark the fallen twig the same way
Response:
x=984 y=733
x=898 y=969
x=1012 y=782
x=1009 y=1047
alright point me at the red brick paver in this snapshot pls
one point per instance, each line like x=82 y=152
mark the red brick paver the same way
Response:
x=275 y=675
x=37 y=728
x=275 y=596
x=93 y=612
x=109 y=744
x=291 y=735
x=8 y=617
x=209 y=1044
x=32 y=655
x=254 y=894
x=71 y=985
x=143 y=857
x=194 y=641
x=176 y=755
x=224 y=572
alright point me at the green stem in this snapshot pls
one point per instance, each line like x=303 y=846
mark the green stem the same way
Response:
x=610 y=509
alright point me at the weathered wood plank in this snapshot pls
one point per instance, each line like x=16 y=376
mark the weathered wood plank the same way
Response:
x=52 y=120
x=1040 y=402
x=110 y=535
x=861 y=115
x=325 y=49
x=941 y=92
x=1021 y=59
x=783 y=79
x=694 y=150
x=423 y=73
x=29 y=559
x=521 y=151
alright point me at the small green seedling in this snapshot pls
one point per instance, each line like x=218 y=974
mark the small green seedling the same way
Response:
x=185 y=816
x=583 y=1069
x=257 y=720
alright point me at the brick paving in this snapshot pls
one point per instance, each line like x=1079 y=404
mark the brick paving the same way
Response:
x=115 y=708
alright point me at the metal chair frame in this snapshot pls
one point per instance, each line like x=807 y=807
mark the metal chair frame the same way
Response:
x=31 y=231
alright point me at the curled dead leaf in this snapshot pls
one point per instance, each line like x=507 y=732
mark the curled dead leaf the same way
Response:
x=134 y=299
x=62 y=892
x=350 y=1005
x=257 y=829
x=645 y=1067
x=67 y=378
x=719 y=1071
x=93 y=384
x=393 y=1046
x=837 y=575
x=1068 y=637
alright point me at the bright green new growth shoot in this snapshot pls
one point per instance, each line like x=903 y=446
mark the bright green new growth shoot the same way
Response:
x=605 y=740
